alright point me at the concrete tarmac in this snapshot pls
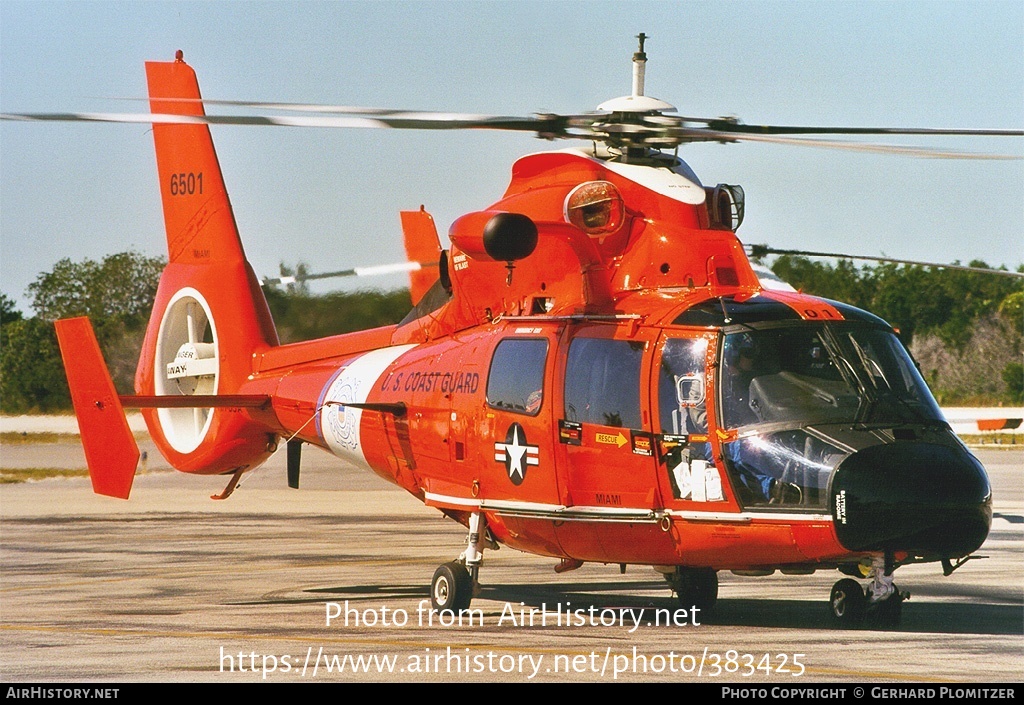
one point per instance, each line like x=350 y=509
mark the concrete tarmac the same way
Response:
x=173 y=586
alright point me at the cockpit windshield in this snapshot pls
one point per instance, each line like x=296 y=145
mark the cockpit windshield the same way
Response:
x=791 y=390
x=806 y=375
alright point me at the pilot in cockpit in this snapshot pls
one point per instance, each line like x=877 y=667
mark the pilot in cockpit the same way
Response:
x=745 y=358
x=741 y=365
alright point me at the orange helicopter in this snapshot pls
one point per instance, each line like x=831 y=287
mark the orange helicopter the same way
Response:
x=594 y=372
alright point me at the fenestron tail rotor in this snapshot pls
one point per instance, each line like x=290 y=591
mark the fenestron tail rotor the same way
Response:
x=187 y=364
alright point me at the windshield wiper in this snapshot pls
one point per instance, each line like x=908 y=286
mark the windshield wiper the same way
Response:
x=865 y=398
x=868 y=363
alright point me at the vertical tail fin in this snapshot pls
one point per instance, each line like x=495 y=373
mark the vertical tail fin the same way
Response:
x=210 y=316
x=200 y=224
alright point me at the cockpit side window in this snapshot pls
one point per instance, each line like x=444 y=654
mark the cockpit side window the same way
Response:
x=682 y=408
x=602 y=382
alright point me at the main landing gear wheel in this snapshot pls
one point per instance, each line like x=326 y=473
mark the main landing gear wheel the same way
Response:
x=847 y=603
x=454 y=583
x=694 y=587
x=451 y=588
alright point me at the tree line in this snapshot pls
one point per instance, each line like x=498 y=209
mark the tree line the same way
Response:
x=964 y=329
x=117 y=294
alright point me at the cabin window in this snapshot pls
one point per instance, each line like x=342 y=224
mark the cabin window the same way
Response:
x=516 y=380
x=681 y=386
x=683 y=411
x=602 y=382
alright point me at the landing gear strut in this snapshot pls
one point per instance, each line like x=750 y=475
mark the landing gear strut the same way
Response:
x=455 y=583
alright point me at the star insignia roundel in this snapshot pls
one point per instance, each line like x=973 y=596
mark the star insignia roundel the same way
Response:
x=516 y=453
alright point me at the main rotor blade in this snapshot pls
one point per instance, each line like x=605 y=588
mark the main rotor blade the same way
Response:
x=267 y=105
x=657 y=130
x=571 y=120
x=762 y=250
x=733 y=126
x=699 y=134
x=545 y=125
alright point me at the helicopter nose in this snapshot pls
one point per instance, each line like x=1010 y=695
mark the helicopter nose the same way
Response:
x=911 y=496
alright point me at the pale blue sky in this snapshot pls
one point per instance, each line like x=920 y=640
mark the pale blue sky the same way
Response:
x=331 y=198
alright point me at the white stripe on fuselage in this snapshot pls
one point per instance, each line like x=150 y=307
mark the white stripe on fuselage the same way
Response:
x=339 y=425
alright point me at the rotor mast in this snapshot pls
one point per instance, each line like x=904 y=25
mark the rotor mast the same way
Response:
x=639 y=67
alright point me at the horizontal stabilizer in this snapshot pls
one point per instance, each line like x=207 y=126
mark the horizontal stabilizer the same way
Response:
x=110 y=448
x=195 y=401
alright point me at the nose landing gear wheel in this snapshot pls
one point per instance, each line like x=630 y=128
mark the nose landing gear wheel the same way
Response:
x=888 y=613
x=451 y=588
x=847 y=603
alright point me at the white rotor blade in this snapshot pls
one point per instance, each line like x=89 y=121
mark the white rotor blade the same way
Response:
x=193 y=338
x=354 y=272
x=293 y=107
x=923 y=152
x=418 y=121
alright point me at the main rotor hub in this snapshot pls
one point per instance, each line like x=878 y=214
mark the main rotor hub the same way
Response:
x=637 y=121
